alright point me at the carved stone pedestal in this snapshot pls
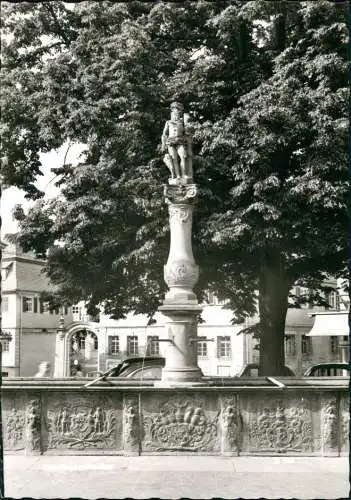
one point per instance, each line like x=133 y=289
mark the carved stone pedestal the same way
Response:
x=181 y=356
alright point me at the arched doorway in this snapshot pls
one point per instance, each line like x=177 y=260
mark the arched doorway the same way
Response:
x=82 y=349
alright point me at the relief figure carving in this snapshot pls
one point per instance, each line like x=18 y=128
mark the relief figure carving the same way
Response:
x=33 y=425
x=14 y=429
x=81 y=426
x=131 y=427
x=329 y=426
x=231 y=428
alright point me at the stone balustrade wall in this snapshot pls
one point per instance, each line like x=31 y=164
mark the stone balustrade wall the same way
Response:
x=256 y=418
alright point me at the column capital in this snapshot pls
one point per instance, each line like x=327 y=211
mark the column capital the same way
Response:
x=180 y=193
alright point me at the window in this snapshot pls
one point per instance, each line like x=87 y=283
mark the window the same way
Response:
x=27 y=304
x=75 y=309
x=290 y=345
x=223 y=347
x=213 y=300
x=153 y=345
x=5 y=304
x=223 y=371
x=334 y=344
x=210 y=298
x=132 y=345
x=202 y=347
x=66 y=310
x=5 y=345
x=306 y=345
x=113 y=345
x=334 y=300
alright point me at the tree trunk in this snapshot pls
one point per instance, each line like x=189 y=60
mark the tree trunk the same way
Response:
x=273 y=305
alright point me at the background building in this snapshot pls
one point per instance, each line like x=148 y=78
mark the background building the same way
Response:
x=24 y=315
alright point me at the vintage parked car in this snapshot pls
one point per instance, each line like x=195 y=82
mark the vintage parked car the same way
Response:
x=251 y=370
x=148 y=367
x=327 y=370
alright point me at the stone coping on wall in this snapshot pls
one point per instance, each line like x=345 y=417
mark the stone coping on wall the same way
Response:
x=212 y=384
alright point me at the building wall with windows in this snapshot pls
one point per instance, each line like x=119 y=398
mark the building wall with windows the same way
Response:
x=302 y=351
x=220 y=352
x=28 y=319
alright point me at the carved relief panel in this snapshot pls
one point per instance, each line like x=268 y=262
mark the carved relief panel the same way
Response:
x=278 y=426
x=176 y=423
x=181 y=273
x=14 y=429
x=82 y=423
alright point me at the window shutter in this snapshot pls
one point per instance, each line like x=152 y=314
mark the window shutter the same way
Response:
x=41 y=306
x=35 y=306
x=24 y=304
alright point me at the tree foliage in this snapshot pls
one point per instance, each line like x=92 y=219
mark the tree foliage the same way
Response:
x=266 y=84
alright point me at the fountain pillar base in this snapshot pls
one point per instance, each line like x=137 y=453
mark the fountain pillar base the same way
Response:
x=181 y=358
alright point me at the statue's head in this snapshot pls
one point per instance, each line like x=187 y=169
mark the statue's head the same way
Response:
x=177 y=110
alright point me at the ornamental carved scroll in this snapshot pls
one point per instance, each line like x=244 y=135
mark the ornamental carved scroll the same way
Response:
x=181 y=273
x=281 y=429
x=180 y=213
x=181 y=425
x=81 y=425
x=180 y=193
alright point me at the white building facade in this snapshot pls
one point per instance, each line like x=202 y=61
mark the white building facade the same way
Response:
x=25 y=316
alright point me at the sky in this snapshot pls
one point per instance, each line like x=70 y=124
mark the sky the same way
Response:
x=13 y=196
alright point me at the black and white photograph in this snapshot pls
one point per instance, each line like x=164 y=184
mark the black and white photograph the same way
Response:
x=175 y=249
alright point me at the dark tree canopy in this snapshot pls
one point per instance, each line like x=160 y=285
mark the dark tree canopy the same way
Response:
x=266 y=84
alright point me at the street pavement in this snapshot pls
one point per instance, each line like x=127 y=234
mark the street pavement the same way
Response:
x=169 y=477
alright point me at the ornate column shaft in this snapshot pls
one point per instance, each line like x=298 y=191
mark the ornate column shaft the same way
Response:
x=180 y=305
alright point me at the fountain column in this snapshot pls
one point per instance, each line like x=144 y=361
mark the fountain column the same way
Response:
x=181 y=273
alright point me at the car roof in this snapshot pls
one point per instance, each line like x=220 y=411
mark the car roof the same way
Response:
x=134 y=361
x=345 y=366
x=256 y=366
x=326 y=366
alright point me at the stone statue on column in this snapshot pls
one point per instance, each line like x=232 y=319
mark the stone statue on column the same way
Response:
x=181 y=272
x=177 y=144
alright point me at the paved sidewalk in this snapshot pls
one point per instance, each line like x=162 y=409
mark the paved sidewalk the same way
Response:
x=171 y=477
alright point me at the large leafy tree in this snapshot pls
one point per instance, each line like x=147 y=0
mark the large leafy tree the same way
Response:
x=266 y=85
